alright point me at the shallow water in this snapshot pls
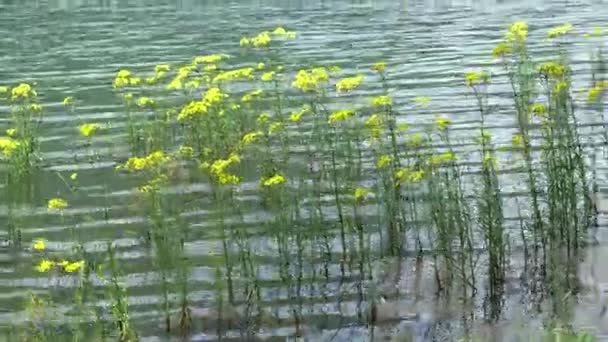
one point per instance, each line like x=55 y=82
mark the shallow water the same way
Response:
x=75 y=47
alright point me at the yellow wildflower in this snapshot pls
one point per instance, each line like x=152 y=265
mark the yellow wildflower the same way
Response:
x=489 y=160
x=561 y=86
x=8 y=145
x=403 y=127
x=88 y=130
x=379 y=67
x=45 y=265
x=261 y=40
x=442 y=123
x=416 y=176
x=39 y=245
x=373 y=121
x=346 y=85
x=261 y=66
x=251 y=95
x=408 y=175
x=539 y=109
x=57 y=203
x=310 y=80
x=502 y=49
x=275 y=127
x=122 y=79
x=517 y=140
x=473 y=78
x=209 y=59
x=274 y=180
x=160 y=68
x=68 y=101
x=297 y=116
x=213 y=96
x=245 y=41
x=279 y=31
x=73 y=176
x=191 y=110
x=268 y=76
x=384 y=161
x=251 y=137
x=3 y=89
x=382 y=100
x=361 y=193
x=437 y=160
x=238 y=74
x=134 y=81
x=73 y=266
x=559 y=30
x=175 y=84
x=552 y=69
x=35 y=108
x=153 y=160
x=341 y=115
x=262 y=118
x=595 y=92
x=517 y=32
x=11 y=132
x=227 y=179
x=22 y=91
x=144 y=101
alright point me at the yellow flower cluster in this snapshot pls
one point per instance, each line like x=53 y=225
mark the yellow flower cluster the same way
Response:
x=296 y=117
x=122 y=79
x=340 y=115
x=442 y=123
x=263 y=39
x=308 y=80
x=275 y=127
x=382 y=101
x=191 y=110
x=559 y=31
x=552 y=69
x=232 y=75
x=379 y=67
x=262 y=118
x=361 y=193
x=46 y=265
x=384 y=161
x=144 y=102
x=273 y=181
x=8 y=145
x=68 y=101
x=214 y=96
x=39 y=245
x=22 y=91
x=88 y=130
x=596 y=91
x=251 y=137
x=374 y=124
x=408 y=175
x=538 y=109
x=152 y=161
x=517 y=32
x=268 y=76
x=219 y=169
x=437 y=160
x=517 y=140
x=346 y=85
x=209 y=59
x=57 y=204
x=473 y=78
x=414 y=140
x=502 y=49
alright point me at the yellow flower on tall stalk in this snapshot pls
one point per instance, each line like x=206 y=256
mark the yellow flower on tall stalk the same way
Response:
x=274 y=180
x=8 y=145
x=501 y=49
x=473 y=78
x=245 y=41
x=262 y=118
x=384 y=161
x=22 y=91
x=538 y=109
x=275 y=127
x=88 y=129
x=379 y=67
x=160 y=68
x=68 y=101
x=232 y=75
x=414 y=140
x=11 y=132
x=595 y=92
x=122 y=79
x=72 y=267
x=151 y=161
x=341 y=115
x=361 y=193
x=437 y=160
x=57 y=204
x=296 y=117
x=251 y=137
x=214 y=96
x=517 y=140
x=552 y=69
x=559 y=31
x=346 y=85
x=308 y=80
x=442 y=123
x=517 y=32
x=45 y=265
x=382 y=101
x=192 y=110
x=39 y=245
x=144 y=102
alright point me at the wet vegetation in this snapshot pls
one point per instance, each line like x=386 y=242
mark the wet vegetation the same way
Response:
x=344 y=186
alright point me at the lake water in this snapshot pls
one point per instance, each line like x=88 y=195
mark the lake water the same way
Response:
x=75 y=47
